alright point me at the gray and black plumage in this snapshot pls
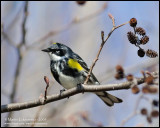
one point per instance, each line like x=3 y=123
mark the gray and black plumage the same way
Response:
x=69 y=70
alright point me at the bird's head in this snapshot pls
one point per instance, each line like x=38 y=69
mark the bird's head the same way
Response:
x=57 y=51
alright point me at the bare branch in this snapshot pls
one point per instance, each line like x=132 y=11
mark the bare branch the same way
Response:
x=102 y=44
x=71 y=92
x=24 y=23
x=46 y=79
x=19 y=62
x=36 y=116
x=134 y=113
x=4 y=34
x=112 y=18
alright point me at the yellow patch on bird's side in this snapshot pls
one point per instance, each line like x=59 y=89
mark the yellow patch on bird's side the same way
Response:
x=54 y=43
x=74 y=64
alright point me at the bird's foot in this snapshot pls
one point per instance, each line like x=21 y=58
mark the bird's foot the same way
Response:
x=62 y=90
x=79 y=86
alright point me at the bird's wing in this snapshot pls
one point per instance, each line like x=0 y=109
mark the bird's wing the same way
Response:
x=84 y=65
x=80 y=61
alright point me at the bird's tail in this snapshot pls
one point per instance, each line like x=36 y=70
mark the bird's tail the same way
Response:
x=108 y=99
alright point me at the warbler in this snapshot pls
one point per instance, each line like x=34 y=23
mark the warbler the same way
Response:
x=70 y=70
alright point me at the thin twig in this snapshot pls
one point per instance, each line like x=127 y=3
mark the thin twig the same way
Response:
x=71 y=92
x=46 y=79
x=4 y=31
x=24 y=23
x=36 y=116
x=102 y=44
x=15 y=83
x=19 y=62
x=4 y=34
x=108 y=74
x=128 y=118
x=134 y=113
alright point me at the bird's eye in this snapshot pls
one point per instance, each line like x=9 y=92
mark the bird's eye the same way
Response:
x=58 y=53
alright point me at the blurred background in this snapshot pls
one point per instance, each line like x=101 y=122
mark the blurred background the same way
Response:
x=79 y=26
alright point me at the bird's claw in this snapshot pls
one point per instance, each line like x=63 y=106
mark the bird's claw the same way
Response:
x=79 y=86
x=62 y=90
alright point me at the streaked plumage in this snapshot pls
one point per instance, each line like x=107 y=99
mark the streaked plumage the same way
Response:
x=69 y=70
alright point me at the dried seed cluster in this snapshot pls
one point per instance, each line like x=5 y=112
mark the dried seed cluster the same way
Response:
x=129 y=77
x=135 y=89
x=148 y=79
x=133 y=22
x=138 y=38
x=81 y=2
x=120 y=72
x=140 y=31
x=141 y=52
x=152 y=54
x=144 y=40
x=144 y=111
x=149 y=116
x=132 y=37
x=155 y=103
x=148 y=87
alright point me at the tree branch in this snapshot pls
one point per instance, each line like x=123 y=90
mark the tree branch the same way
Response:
x=24 y=23
x=20 y=59
x=5 y=36
x=71 y=92
x=134 y=113
x=102 y=44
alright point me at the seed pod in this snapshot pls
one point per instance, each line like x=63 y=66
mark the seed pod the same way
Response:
x=119 y=76
x=149 y=80
x=141 y=53
x=155 y=103
x=154 y=113
x=46 y=79
x=130 y=77
x=144 y=111
x=135 y=90
x=140 y=31
x=119 y=69
x=145 y=89
x=133 y=22
x=144 y=40
x=152 y=54
x=132 y=37
x=149 y=119
x=152 y=90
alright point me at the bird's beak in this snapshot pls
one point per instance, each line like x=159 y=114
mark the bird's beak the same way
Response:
x=46 y=50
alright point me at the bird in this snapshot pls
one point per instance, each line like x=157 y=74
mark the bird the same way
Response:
x=70 y=70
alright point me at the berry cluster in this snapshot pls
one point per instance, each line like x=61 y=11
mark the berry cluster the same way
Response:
x=154 y=113
x=149 y=80
x=149 y=87
x=139 y=37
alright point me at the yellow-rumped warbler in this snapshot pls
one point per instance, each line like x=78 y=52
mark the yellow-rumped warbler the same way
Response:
x=69 y=70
